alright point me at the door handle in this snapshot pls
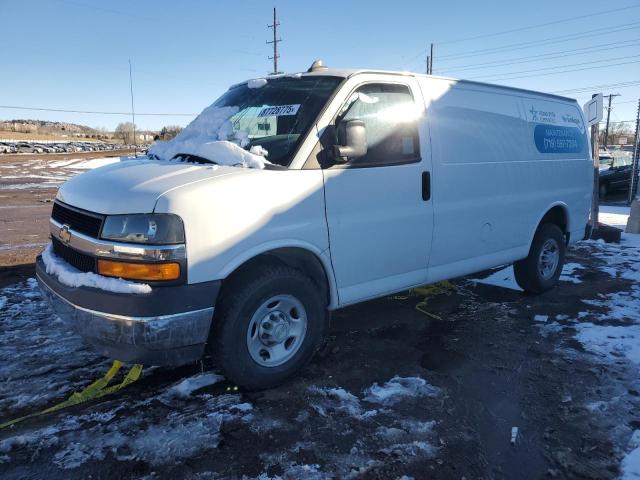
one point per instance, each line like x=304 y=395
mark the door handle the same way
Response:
x=426 y=186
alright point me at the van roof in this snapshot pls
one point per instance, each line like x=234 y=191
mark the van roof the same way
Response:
x=350 y=72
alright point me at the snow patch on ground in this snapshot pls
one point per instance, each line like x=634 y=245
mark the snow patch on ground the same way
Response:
x=614 y=216
x=616 y=332
x=630 y=465
x=611 y=342
x=184 y=428
x=41 y=360
x=396 y=389
x=504 y=278
x=189 y=385
x=337 y=400
x=52 y=172
x=568 y=272
x=72 y=277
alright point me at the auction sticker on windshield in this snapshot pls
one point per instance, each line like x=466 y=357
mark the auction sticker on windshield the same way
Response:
x=279 y=110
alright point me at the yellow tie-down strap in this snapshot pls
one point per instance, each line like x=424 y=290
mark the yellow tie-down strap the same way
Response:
x=428 y=291
x=97 y=389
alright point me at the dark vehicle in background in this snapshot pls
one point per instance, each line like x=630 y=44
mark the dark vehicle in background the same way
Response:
x=615 y=172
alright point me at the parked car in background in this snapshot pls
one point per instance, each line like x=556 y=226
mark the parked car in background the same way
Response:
x=615 y=172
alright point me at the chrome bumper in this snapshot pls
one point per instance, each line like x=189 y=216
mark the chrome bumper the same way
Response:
x=174 y=338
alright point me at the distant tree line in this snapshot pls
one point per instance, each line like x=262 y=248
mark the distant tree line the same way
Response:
x=617 y=130
x=168 y=132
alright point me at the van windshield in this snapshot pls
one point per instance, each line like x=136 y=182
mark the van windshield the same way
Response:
x=276 y=113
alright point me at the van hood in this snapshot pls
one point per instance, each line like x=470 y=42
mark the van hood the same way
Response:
x=134 y=186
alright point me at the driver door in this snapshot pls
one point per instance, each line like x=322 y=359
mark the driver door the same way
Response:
x=379 y=213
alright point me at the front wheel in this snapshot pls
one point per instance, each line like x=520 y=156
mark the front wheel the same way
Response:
x=268 y=327
x=541 y=270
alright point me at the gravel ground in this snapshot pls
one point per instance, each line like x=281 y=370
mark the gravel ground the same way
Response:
x=396 y=392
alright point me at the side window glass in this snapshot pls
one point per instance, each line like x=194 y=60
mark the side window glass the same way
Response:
x=391 y=121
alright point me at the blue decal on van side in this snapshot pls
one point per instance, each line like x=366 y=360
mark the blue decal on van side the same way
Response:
x=557 y=139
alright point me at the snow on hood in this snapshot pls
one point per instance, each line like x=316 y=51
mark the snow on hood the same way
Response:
x=211 y=136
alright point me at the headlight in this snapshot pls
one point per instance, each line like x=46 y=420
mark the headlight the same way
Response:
x=152 y=228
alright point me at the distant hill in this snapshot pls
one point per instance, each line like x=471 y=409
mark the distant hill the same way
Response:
x=45 y=129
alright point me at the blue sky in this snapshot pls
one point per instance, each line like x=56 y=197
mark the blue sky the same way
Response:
x=73 y=54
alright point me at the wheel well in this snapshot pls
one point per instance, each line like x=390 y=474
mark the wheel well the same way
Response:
x=558 y=216
x=298 y=258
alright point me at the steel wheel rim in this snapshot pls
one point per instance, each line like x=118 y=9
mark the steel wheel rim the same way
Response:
x=277 y=330
x=548 y=259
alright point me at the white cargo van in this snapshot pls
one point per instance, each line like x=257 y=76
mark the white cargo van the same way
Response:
x=296 y=195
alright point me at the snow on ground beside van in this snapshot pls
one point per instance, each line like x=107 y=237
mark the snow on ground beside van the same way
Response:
x=46 y=172
x=170 y=419
x=614 y=216
x=357 y=412
x=609 y=331
x=40 y=358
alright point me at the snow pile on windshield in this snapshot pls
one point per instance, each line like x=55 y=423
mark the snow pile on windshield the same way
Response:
x=228 y=153
x=211 y=136
x=72 y=277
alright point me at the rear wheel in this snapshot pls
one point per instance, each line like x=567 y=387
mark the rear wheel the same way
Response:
x=541 y=270
x=268 y=326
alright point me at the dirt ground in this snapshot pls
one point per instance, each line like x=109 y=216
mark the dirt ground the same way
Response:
x=396 y=394
x=28 y=185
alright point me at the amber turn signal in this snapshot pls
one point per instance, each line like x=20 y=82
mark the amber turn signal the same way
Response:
x=139 y=271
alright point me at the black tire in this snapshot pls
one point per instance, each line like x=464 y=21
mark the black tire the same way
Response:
x=604 y=189
x=527 y=273
x=240 y=300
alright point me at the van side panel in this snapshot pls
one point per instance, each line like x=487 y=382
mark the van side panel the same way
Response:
x=490 y=186
x=558 y=139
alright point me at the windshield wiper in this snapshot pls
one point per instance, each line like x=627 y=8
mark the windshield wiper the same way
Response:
x=189 y=158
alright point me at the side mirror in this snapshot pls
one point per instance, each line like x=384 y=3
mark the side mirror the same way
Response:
x=352 y=139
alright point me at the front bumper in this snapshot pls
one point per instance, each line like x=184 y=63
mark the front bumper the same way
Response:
x=169 y=326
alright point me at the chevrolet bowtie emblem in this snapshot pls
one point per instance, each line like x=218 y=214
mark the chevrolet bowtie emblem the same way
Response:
x=64 y=235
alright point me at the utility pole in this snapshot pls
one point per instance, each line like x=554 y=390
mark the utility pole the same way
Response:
x=428 y=64
x=606 y=130
x=595 y=151
x=275 y=42
x=633 y=187
x=431 y=61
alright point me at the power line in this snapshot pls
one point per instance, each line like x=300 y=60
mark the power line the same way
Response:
x=563 y=71
x=544 y=41
x=630 y=83
x=530 y=27
x=14 y=107
x=546 y=56
x=509 y=74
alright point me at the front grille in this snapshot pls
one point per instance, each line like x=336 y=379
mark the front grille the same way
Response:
x=82 y=261
x=78 y=220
